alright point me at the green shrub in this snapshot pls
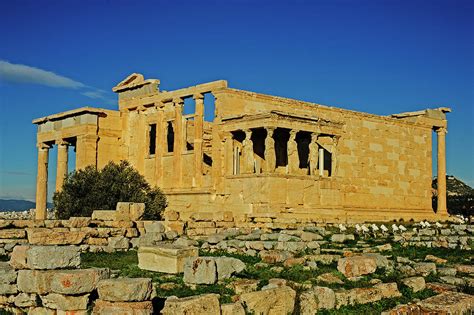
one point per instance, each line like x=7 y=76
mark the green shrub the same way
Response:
x=90 y=189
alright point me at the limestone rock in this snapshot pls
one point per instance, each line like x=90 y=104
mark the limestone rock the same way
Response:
x=53 y=257
x=65 y=302
x=232 y=309
x=8 y=288
x=102 y=307
x=12 y=233
x=129 y=211
x=78 y=222
x=329 y=278
x=244 y=285
x=274 y=256
x=215 y=238
x=315 y=299
x=227 y=266
x=44 y=236
x=41 y=311
x=154 y=226
x=200 y=270
x=103 y=215
x=449 y=302
x=77 y=281
x=125 y=289
x=424 y=269
x=356 y=266
x=388 y=290
x=465 y=269
x=18 y=257
x=415 y=283
x=271 y=301
x=435 y=259
x=7 y=273
x=25 y=300
x=441 y=287
x=193 y=305
x=165 y=258
x=118 y=243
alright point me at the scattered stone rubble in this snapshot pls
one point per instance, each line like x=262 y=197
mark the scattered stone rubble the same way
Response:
x=42 y=275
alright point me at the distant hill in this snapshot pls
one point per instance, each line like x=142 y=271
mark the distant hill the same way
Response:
x=17 y=205
x=454 y=186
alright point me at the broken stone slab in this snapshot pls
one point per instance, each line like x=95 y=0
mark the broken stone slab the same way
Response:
x=329 y=278
x=200 y=270
x=77 y=222
x=315 y=299
x=228 y=266
x=45 y=236
x=165 y=258
x=441 y=287
x=65 y=302
x=465 y=269
x=435 y=259
x=45 y=257
x=388 y=290
x=199 y=304
x=8 y=288
x=102 y=307
x=41 y=311
x=279 y=300
x=415 y=283
x=356 y=266
x=453 y=280
x=154 y=226
x=125 y=289
x=449 y=302
x=244 y=285
x=325 y=259
x=380 y=260
x=103 y=215
x=357 y=296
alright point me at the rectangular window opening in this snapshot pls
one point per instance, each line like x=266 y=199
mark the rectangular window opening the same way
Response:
x=151 y=139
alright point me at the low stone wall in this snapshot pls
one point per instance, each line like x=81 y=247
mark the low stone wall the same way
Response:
x=88 y=234
x=34 y=283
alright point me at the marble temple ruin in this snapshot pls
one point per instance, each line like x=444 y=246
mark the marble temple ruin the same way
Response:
x=254 y=155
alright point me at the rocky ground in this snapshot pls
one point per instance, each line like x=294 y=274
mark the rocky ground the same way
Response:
x=328 y=270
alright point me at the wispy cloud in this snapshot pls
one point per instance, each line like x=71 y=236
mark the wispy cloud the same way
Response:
x=17 y=73
x=23 y=74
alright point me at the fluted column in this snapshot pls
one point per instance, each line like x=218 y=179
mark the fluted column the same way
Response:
x=178 y=142
x=293 y=159
x=161 y=129
x=442 y=209
x=198 y=135
x=42 y=181
x=270 y=155
x=61 y=168
x=313 y=155
x=247 y=151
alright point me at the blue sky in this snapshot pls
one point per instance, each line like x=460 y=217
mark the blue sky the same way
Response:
x=380 y=57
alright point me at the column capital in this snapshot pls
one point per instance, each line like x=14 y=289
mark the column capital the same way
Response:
x=270 y=130
x=248 y=133
x=43 y=146
x=198 y=96
x=293 y=133
x=441 y=131
x=61 y=142
x=178 y=101
x=314 y=136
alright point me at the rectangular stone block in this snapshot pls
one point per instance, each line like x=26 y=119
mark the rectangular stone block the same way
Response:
x=65 y=302
x=44 y=236
x=102 y=307
x=53 y=257
x=103 y=215
x=165 y=258
x=125 y=289
x=12 y=233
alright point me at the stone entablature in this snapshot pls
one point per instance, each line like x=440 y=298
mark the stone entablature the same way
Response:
x=260 y=154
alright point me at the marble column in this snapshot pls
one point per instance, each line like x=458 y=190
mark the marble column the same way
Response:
x=313 y=155
x=178 y=142
x=270 y=155
x=293 y=159
x=42 y=181
x=161 y=130
x=247 y=152
x=61 y=170
x=198 y=135
x=442 y=209
x=229 y=153
x=321 y=162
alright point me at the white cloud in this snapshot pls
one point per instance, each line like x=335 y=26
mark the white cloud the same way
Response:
x=17 y=73
x=23 y=74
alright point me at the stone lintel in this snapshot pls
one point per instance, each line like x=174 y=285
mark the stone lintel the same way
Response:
x=74 y=112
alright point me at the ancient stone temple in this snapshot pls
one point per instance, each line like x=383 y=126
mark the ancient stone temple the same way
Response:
x=255 y=156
